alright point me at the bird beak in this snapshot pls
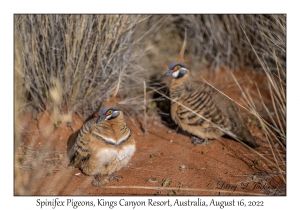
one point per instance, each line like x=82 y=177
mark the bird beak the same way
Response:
x=101 y=118
x=169 y=73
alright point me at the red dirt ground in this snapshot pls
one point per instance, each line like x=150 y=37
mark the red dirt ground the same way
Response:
x=166 y=162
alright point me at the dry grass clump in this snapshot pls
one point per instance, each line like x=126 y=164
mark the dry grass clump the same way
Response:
x=219 y=40
x=71 y=62
x=274 y=124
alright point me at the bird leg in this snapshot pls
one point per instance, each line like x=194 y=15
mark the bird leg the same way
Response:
x=98 y=183
x=112 y=176
x=198 y=141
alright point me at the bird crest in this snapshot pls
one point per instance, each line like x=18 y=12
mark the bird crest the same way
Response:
x=112 y=101
x=180 y=57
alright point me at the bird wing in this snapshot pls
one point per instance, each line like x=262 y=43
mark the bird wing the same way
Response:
x=79 y=152
x=239 y=127
x=200 y=109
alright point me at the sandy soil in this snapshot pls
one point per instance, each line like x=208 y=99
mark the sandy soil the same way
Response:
x=166 y=162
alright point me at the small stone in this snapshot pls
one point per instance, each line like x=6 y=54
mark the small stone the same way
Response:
x=182 y=167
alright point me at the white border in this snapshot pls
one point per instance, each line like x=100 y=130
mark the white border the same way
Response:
x=9 y=8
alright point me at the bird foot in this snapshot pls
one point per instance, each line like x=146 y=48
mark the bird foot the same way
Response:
x=98 y=183
x=198 y=141
x=112 y=176
x=71 y=165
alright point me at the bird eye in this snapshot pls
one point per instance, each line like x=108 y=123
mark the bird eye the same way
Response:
x=177 y=67
x=109 y=112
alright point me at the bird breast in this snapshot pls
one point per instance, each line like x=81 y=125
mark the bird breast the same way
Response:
x=109 y=155
x=113 y=159
x=117 y=140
